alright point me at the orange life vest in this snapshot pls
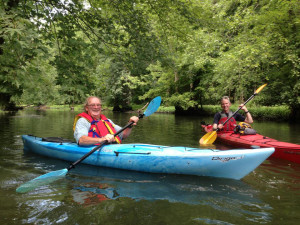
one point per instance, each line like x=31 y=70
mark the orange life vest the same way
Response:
x=99 y=128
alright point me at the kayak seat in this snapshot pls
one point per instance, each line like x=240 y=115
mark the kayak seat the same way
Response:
x=57 y=139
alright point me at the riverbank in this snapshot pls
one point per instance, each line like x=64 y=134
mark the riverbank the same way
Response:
x=278 y=113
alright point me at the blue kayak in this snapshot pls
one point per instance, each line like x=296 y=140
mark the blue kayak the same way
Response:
x=234 y=164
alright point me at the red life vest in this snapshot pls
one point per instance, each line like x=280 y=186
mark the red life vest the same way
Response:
x=99 y=128
x=230 y=125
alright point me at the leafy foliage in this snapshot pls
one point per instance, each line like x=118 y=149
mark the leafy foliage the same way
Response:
x=25 y=70
x=189 y=52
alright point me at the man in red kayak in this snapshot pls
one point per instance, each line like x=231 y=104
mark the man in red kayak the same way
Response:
x=221 y=117
x=91 y=127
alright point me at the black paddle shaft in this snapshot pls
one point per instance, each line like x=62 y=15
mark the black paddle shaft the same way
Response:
x=100 y=145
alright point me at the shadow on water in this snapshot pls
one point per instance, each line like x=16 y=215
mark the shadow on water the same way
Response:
x=88 y=185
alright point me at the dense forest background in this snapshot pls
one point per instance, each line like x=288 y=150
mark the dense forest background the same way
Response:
x=190 y=52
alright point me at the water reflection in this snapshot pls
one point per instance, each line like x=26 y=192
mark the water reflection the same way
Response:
x=277 y=174
x=91 y=195
x=90 y=186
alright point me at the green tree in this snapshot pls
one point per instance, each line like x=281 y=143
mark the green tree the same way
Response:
x=189 y=52
x=23 y=58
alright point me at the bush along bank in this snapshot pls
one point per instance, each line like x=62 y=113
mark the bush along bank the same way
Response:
x=278 y=113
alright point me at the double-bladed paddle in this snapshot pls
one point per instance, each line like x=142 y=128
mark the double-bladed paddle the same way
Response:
x=210 y=137
x=55 y=175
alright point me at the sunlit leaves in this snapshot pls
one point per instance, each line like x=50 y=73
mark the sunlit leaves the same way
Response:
x=189 y=52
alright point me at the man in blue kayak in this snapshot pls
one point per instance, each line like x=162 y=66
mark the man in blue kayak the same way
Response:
x=221 y=117
x=91 y=127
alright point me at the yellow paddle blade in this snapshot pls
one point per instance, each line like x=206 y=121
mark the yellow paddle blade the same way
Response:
x=260 y=88
x=208 y=138
x=207 y=146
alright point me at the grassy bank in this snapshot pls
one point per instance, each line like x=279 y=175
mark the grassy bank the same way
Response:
x=278 y=113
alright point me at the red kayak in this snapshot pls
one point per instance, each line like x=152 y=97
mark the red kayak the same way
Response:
x=283 y=150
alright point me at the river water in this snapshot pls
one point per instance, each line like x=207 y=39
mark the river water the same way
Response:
x=91 y=195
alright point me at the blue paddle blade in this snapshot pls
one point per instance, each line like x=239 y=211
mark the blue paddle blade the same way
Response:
x=42 y=180
x=153 y=106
